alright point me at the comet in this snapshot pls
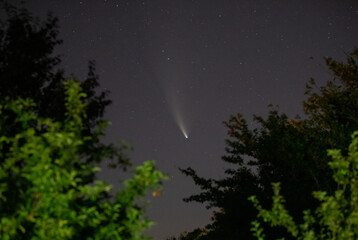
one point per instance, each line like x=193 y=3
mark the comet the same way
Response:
x=180 y=122
x=182 y=127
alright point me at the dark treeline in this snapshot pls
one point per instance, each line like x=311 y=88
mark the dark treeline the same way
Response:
x=50 y=144
x=290 y=151
x=30 y=69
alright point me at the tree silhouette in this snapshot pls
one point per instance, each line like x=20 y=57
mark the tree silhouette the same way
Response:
x=29 y=69
x=336 y=215
x=290 y=151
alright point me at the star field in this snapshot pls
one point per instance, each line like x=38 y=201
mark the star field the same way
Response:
x=196 y=62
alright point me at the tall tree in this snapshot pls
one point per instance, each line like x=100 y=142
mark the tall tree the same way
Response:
x=51 y=144
x=44 y=190
x=30 y=69
x=336 y=215
x=291 y=151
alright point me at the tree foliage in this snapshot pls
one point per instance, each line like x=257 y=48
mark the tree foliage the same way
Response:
x=51 y=144
x=44 y=190
x=30 y=69
x=280 y=149
x=336 y=215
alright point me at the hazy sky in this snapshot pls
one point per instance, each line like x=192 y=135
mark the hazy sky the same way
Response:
x=178 y=67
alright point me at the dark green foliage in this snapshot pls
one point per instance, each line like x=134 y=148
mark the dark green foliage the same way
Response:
x=290 y=151
x=29 y=69
x=44 y=189
x=51 y=144
x=26 y=61
x=334 y=108
x=336 y=217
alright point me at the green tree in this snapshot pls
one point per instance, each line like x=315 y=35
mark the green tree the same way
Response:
x=44 y=193
x=291 y=151
x=336 y=215
x=30 y=69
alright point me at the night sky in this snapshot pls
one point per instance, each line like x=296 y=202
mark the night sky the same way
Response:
x=177 y=67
